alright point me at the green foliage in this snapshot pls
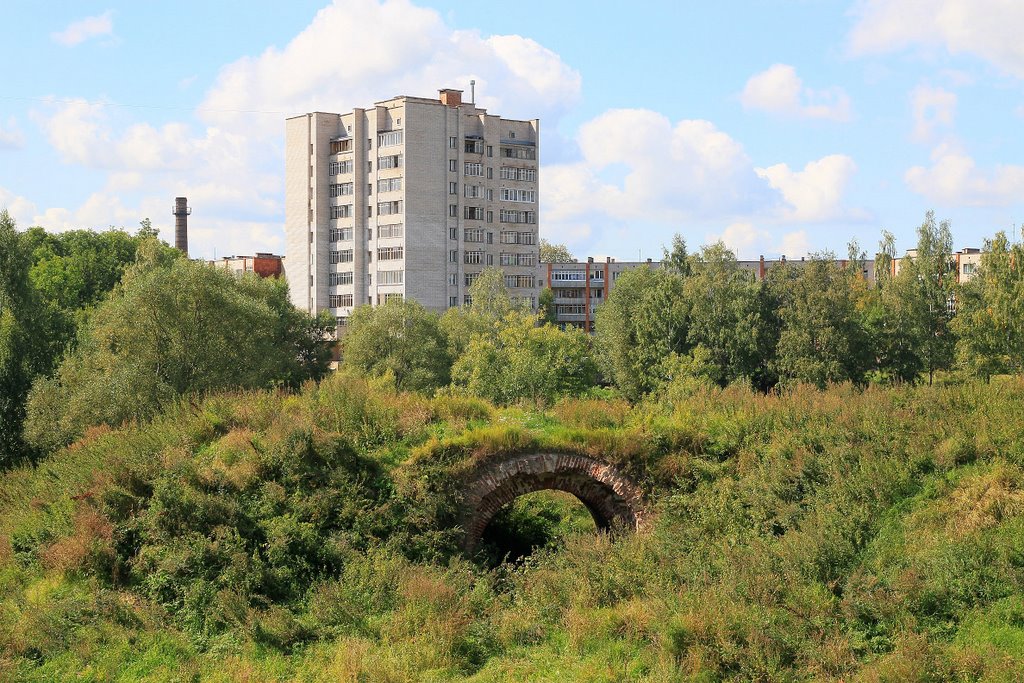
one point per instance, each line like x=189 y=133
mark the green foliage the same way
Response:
x=810 y=535
x=555 y=253
x=644 y=320
x=822 y=338
x=546 y=304
x=400 y=338
x=526 y=361
x=173 y=328
x=989 y=321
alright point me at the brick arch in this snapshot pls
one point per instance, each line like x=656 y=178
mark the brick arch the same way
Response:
x=611 y=498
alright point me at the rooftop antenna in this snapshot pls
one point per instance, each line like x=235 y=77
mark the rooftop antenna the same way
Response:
x=472 y=91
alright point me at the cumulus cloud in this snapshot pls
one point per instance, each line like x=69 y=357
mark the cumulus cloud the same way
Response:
x=11 y=136
x=638 y=167
x=391 y=47
x=778 y=90
x=954 y=179
x=816 y=192
x=748 y=241
x=636 y=162
x=21 y=209
x=933 y=108
x=989 y=29
x=77 y=32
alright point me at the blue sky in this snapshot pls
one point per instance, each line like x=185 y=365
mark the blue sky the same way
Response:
x=779 y=126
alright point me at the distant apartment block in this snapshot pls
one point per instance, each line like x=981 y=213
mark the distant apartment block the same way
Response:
x=264 y=265
x=410 y=198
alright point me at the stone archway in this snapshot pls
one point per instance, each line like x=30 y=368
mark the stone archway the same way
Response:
x=611 y=498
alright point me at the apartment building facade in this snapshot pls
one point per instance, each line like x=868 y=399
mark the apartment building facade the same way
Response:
x=411 y=198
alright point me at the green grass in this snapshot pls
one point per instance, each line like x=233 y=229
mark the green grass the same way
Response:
x=829 y=536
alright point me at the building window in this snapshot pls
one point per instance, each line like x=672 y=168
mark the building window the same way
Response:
x=511 y=237
x=514 y=173
x=511 y=216
x=511 y=135
x=339 y=146
x=472 y=191
x=390 y=277
x=453 y=165
x=453 y=233
x=467 y=300
x=570 y=309
x=520 y=281
x=389 y=185
x=528 y=153
x=453 y=256
x=369 y=167
x=568 y=276
x=340 y=278
x=453 y=210
x=452 y=279
x=339 y=300
x=393 y=137
x=453 y=143
x=474 y=168
x=514 y=195
x=390 y=161
x=490 y=173
x=393 y=296
x=389 y=230
x=453 y=188
x=506 y=258
x=490 y=195
x=340 y=234
x=490 y=151
x=470 y=278
x=474 y=257
x=389 y=253
x=342 y=189
x=474 y=146
x=473 y=234
x=342 y=321
x=473 y=213
x=343 y=211
x=389 y=208
x=490 y=216
x=343 y=256
x=340 y=167
x=453 y=301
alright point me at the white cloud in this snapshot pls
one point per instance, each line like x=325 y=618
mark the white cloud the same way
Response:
x=515 y=76
x=953 y=179
x=816 y=192
x=748 y=241
x=989 y=29
x=639 y=171
x=20 y=208
x=933 y=108
x=78 y=32
x=11 y=136
x=636 y=162
x=778 y=90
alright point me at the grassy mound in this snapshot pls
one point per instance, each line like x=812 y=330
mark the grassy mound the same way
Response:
x=838 y=535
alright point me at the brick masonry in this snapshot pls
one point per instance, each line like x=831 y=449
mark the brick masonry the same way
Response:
x=613 y=500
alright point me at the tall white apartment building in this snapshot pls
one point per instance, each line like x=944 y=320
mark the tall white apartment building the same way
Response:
x=412 y=197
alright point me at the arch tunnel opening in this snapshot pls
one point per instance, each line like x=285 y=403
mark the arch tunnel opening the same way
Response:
x=541 y=519
x=502 y=501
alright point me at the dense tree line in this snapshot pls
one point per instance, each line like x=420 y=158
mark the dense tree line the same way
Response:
x=101 y=327
x=702 y=319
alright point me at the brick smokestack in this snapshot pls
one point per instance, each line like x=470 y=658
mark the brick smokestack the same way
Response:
x=181 y=213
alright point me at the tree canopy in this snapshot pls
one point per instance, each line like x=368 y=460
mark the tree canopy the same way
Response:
x=174 y=327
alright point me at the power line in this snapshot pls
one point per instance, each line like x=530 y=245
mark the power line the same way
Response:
x=102 y=103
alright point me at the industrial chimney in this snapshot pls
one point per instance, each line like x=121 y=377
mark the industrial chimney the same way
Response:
x=181 y=213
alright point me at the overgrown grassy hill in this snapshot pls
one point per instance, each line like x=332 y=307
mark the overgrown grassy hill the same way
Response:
x=838 y=535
